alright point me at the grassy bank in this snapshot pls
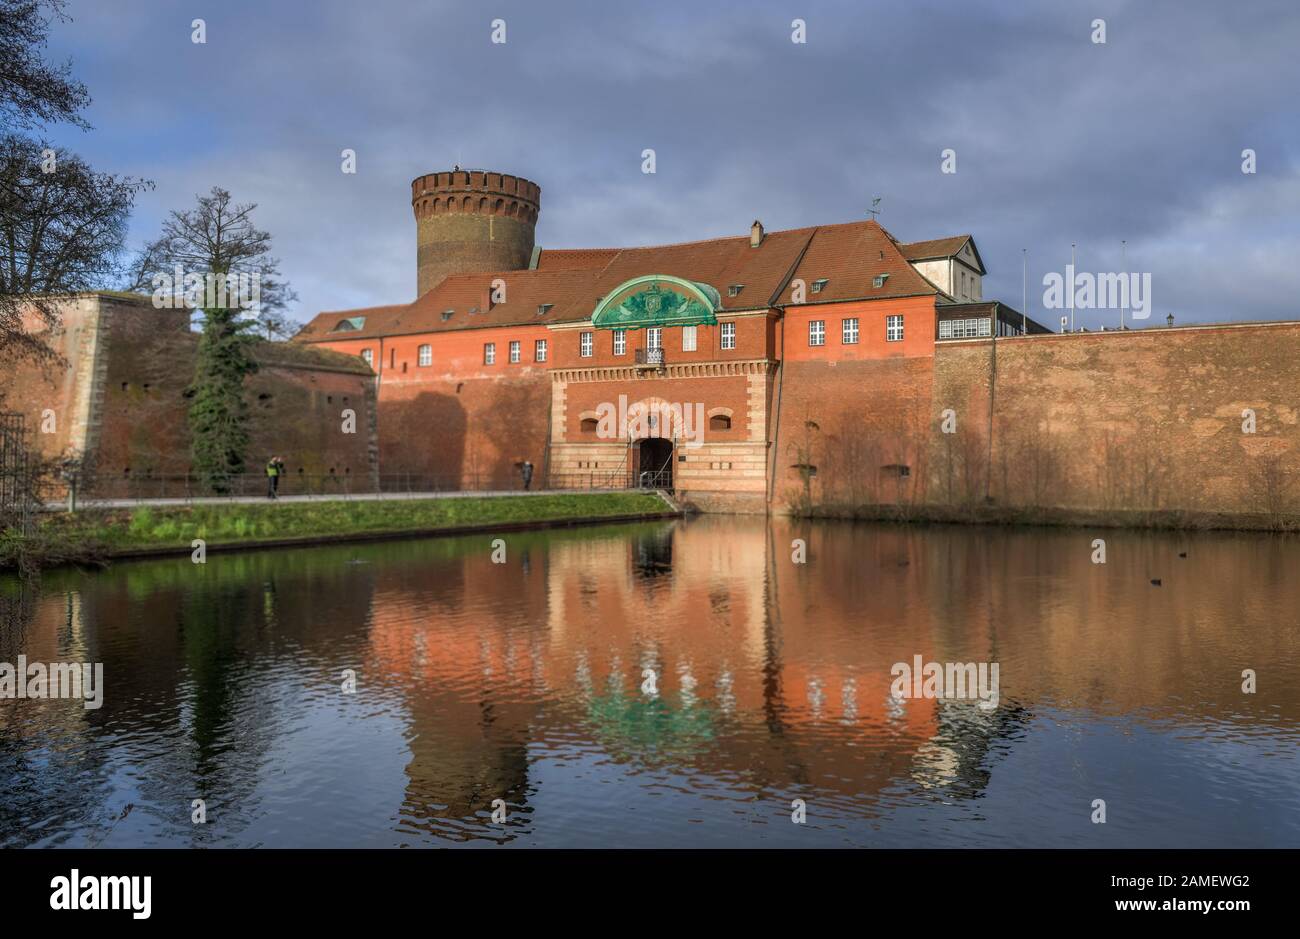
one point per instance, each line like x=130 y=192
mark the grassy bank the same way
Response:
x=96 y=535
x=1161 y=519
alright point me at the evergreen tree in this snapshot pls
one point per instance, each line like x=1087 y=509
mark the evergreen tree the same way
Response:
x=218 y=411
x=214 y=241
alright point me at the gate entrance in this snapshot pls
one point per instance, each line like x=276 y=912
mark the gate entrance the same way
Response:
x=655 y=466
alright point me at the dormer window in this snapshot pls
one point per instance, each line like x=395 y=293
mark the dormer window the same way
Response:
x=349 y=324
x=819 y=283
x=544 y=308
x=880 y=281
x=446 y=315
x=472 y=310
x=733 y=290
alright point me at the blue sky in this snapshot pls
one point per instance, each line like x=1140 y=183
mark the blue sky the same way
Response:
x=1058 y=139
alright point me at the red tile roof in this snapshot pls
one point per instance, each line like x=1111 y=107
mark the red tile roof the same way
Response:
x=935 y=248
x=574 y=259
x=849 y=257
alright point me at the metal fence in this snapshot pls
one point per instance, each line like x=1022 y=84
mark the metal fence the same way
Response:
x=17 y=471
x=335 y=485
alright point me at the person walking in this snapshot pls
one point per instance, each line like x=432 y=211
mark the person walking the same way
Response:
x=273 y=467
x=527 y=471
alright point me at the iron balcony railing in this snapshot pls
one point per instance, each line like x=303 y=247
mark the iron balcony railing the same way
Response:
x=650 y=357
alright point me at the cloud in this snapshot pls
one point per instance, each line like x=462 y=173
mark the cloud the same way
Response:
x=1058 y=139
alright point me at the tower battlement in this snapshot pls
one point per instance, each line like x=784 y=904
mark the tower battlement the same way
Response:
x=472 y=220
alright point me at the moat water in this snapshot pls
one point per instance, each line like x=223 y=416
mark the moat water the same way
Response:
x=668 y=684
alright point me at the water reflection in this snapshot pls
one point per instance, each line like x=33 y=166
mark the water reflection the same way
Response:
x=666 y=684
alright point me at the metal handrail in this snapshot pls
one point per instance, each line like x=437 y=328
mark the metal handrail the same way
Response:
x=98 y=487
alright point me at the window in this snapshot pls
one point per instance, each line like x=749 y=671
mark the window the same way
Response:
x=688 y=338
x=514 y=352
x=719 y=422
x=620 y=342
x=585 y=344
x=368 y=356
x=654 y=337
x=964 y=329
x=544 y=308
x=426 y=356
x=894 y=328
x=850 y=331
x=733 y=290
x=539 y=350
x=879 y=280
x=728 y=335
x=817 y=333
x=489 y=353
x=819 y=283
x=590 y=425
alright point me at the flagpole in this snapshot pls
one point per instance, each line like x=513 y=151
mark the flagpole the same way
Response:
x=1123 y=249
x=1072 y=276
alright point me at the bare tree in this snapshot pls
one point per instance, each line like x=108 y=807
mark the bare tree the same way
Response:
x=34 y=93
x=62 y=227
x=217 y=237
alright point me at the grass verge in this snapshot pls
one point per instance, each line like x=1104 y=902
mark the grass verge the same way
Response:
x=94 y=535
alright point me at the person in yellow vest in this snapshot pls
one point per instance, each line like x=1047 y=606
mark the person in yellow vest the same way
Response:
x=273 y=468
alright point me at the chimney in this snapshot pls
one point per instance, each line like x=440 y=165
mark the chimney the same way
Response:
x=756 y=234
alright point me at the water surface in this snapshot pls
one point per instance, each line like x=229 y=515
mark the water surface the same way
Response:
x=524 y=682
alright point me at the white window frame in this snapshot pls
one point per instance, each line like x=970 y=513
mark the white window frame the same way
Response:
x=728 y=336
x=894 y=327
x=973 y=328
x=586 y=345
x=489 y=353
x=689 y=339
x=539 y=350
x=516 y=352
x=849 y=331
x=620 y=342
x=368 y=356
x=425 y=358
x=816 y=333
x=654 y=337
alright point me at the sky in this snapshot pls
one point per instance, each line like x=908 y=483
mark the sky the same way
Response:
x=1058 y=139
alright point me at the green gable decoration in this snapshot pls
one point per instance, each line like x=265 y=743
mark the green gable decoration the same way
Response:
x=657 y=300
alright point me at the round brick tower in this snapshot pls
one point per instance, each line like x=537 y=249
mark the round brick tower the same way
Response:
x=468 y=221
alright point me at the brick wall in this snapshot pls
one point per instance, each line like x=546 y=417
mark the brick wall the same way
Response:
x=1140 y=419
x=118 y=399
x=857 y=423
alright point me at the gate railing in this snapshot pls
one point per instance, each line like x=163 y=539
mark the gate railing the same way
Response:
x=17 y=475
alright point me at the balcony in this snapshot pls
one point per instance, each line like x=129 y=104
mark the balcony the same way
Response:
x=650 y=358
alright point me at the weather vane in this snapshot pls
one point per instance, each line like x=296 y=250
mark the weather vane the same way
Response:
x=875 y=202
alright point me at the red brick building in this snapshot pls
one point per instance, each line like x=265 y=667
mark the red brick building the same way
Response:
x=703 y=364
